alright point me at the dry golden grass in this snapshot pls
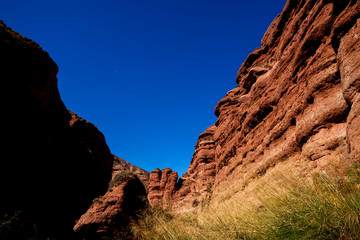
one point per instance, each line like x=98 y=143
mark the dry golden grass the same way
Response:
x=286 y=208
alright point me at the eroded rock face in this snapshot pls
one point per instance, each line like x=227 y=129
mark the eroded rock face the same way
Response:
x=162 y=186
x=349 y=66
x=54 y=162
x=297 y=95
x=110 y=215
x=194 y=187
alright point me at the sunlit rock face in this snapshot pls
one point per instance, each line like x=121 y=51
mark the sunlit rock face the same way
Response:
x=296 y=104
x=162 y=186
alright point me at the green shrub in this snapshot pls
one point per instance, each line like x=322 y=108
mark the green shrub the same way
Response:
x=121 y=177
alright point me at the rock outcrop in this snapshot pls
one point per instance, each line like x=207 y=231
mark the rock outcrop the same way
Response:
x=296 y=104
x=110 y=215
x=162 y=186
x=54 y=162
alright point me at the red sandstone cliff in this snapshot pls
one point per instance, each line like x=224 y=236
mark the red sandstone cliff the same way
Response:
x=53 y=162
x=297 y=103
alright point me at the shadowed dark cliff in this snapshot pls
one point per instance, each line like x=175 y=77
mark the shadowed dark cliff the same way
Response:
x=54 y=162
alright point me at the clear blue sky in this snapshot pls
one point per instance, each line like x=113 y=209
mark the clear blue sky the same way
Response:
x=148 y=74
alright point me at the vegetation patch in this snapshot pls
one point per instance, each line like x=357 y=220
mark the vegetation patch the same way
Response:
x=121 y=177
x=327 y=207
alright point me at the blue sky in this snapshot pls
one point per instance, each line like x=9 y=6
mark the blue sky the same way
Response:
x=148 y=74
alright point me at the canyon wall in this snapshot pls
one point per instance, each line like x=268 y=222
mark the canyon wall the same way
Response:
x=297 y=104
x=54 y=162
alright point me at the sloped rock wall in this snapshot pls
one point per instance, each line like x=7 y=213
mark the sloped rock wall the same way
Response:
x=297 y=95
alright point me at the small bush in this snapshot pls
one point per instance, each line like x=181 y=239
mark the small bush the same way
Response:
x=121 y=177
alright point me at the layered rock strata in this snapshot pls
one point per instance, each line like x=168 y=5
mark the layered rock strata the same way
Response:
x=296 y=103
x=162 y=187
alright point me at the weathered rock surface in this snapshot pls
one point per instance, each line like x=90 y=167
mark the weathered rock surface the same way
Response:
x=296 y=103
x=162 y=186
x=349 y=66
x=54 y=163
x=110 y=215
